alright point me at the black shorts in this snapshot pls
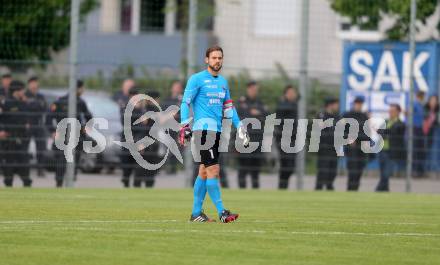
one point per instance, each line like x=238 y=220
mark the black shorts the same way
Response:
x=205 y=147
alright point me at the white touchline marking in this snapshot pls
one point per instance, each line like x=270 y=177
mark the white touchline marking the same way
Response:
x=364 y=223
x=310 y=233
x=85 y=221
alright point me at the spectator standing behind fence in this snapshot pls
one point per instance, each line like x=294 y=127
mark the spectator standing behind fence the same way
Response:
x=430 y=122
x=38 y=108
x=15 y=122
x=356 y=158
x=59 y=111
x=4 y=89
x=393 y=155
x=175 y=99
x=149 y=153
x=126 y=161
x=419 y=153
x=250 y=106
x=4 y=93
x=287 y=108
x=122 y=96
x=327 y=163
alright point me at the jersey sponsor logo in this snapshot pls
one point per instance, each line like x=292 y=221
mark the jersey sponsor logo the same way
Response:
x=215 y=101
x=216 y=94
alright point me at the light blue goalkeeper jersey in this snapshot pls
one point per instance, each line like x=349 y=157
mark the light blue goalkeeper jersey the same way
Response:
x=210 y=99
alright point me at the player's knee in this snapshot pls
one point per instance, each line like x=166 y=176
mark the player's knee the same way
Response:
x=202 y=172
x=204 y=175
x=213 y=171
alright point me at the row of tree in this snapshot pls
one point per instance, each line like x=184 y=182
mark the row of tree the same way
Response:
x=366 y=14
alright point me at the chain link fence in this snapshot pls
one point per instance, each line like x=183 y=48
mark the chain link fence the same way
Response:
x=289 y=58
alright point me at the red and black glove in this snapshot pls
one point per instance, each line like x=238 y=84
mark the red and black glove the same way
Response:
x=185 y=134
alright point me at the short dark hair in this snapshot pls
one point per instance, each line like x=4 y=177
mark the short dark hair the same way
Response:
x=359 y=99
x=330 y=101
x=79 y=83
x=213 y=49
x=176 y=81
x=7 y=75
x=251 y=83
x=397 y=106
x=16 y=85
x=153 y=93
x=420 y=94
x=32 y=79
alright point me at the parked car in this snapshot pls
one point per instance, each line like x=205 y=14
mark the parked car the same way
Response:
x=100 y=105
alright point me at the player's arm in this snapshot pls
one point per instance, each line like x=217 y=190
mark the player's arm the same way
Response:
x=191 y=90
x=230 y=112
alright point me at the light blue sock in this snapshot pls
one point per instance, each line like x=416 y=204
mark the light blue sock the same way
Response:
x=199 y=195
x=213 y=187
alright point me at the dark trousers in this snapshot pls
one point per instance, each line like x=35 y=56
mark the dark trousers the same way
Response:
x=327 y=169
x=142 y=175
x=249 y=164
x=419 y=152
x=172 y=162
x=39 y=135
x=16 y=161
x=287 y=168
x=388 y=167
x=128 y=165
x=356 y=162
x=61 y=164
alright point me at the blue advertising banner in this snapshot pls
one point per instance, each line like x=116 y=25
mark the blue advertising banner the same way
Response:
x=381 y=73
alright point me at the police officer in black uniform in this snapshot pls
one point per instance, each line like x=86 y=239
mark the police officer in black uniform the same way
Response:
x=15 y=122
x=38 y=108
x=122 y=97
x=4 y=93
x=149 y=153
x=250 y=106
x=287 y=108
x=128 y=163
x=356 y=158
x=327 y=157
x=175 y=99
x=58 y=111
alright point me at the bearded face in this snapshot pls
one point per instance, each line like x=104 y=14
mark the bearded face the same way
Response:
x=215 y=61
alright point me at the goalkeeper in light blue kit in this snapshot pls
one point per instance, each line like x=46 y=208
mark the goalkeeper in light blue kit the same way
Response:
x=208 y=94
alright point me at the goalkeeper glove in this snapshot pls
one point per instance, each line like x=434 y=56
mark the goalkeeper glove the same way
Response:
x=185 y=134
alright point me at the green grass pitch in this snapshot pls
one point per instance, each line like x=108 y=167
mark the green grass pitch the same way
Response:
x=129 y=227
